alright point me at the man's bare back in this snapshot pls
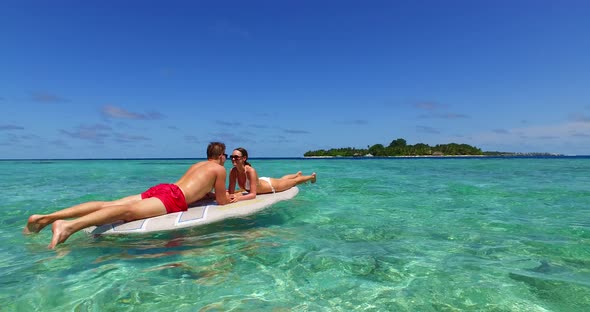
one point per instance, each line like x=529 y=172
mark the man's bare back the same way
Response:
x=200 y=179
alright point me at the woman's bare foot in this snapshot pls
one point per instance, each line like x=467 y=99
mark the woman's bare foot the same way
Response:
x=60 y=233
x=34 y=224
x=314 y=175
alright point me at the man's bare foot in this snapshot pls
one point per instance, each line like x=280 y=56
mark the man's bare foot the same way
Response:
x=314 y=177
x=34 y=224
x=298 y=174
x=60 y=233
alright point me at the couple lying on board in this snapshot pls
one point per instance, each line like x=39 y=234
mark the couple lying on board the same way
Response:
x=196 y=183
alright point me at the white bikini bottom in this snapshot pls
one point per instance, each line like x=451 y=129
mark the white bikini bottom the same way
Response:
x=267 y=180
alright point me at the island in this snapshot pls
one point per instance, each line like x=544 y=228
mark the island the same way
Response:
x=400 y=148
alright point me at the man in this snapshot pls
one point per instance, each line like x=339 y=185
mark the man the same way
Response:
x=161 y=199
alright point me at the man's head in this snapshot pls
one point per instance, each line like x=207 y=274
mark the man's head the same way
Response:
x=215 y=150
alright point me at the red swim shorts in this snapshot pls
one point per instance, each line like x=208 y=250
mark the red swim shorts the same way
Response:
x=169 y=194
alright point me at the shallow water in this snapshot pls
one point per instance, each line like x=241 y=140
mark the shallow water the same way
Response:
x=420 y=234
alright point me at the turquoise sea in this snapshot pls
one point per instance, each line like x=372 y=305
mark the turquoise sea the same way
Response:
x=398 y=234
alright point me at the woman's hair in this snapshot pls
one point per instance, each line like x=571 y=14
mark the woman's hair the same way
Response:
x=215 y=149
x=244 y=154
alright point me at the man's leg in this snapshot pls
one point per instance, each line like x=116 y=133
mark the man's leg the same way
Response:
x=146 y=208
x=37 y=222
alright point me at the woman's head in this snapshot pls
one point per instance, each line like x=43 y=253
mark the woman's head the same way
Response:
x=239 y=154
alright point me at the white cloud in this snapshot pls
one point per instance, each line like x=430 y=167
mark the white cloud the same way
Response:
x=580 y=117
x=573 y=131
x=428 y=106
x=111 y=111
x=11 y=127
x=426 y=129
x=46 y=97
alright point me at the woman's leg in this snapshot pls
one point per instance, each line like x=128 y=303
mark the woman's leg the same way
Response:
x=284 y=184
x=292 y=176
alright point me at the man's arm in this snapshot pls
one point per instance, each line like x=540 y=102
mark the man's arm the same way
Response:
x=221 y=196
x=232 y=181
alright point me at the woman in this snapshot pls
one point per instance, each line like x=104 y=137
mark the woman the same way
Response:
x=247 y=179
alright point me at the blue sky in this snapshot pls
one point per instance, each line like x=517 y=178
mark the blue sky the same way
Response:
x=143 y=79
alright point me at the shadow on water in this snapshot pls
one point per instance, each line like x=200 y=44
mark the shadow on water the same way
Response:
x=549 y=282
x=205 y=253
x=177 y=242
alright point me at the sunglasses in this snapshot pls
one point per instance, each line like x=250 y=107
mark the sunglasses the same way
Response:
x=225 y=156
x=234 y=157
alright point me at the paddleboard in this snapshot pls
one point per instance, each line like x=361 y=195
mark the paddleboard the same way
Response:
x=198 y=214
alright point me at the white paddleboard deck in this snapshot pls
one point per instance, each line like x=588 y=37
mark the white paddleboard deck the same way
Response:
x=199 y=213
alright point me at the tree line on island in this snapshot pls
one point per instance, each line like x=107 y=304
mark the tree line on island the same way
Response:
x=399 y=147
